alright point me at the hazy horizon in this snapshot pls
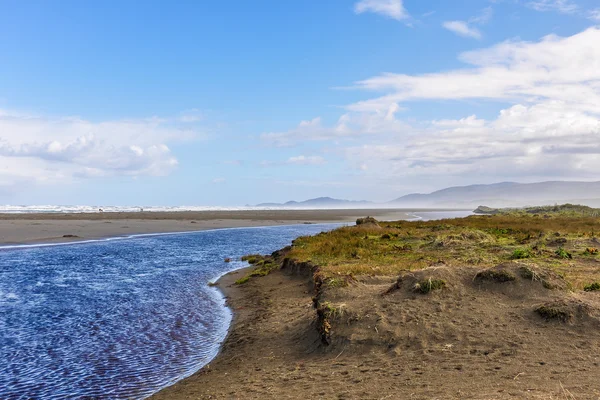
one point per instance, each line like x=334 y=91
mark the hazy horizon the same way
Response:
x=499 y=195
x=220 y=104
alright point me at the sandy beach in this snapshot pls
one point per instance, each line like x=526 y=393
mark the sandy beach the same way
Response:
x=50 y=228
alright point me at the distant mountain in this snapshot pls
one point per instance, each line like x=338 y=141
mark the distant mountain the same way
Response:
x=506 y=194
x=320 y=202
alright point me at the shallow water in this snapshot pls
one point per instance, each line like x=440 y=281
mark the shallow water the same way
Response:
x=121 y=318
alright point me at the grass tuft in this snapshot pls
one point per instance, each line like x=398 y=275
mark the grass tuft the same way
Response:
x=252 y=258
x=429 y=285
x=495 y=275
x=562 y=253
x=242 y=280
x=520 y=254
x=553 y=313
x=592 y=287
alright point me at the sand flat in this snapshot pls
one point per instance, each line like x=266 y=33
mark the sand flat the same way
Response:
x=63 y=227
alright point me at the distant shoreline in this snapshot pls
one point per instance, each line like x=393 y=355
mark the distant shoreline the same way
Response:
x=33 y=228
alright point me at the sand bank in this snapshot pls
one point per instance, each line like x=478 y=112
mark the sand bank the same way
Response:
x=48 y=228
x=473 y=340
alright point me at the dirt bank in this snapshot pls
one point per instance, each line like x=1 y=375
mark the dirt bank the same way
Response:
x=479 y=336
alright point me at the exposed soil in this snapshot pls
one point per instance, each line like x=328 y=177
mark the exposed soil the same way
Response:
x=468 y=338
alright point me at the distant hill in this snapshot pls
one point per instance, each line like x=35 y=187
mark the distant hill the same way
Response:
x=320 y=202
x=497 y=195
x=506 y=194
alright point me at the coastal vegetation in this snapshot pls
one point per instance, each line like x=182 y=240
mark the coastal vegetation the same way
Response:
x=574 y=210
x=263 y=265
x=559 y=238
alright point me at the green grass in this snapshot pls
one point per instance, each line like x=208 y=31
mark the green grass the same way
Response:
x=387 y=248
x=562 y=253
x=252 y=258
x=520 y=254
x=264 y=265
x=242 y=280
x=568 y=210
x=592 y=287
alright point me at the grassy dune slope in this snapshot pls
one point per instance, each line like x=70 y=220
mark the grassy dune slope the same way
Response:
x=566 y=243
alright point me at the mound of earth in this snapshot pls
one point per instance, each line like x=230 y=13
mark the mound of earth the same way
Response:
x=480 y=334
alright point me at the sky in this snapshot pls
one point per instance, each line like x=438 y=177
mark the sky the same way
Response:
x=241 y=102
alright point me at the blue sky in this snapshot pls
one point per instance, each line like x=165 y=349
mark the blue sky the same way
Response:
x=233 y=103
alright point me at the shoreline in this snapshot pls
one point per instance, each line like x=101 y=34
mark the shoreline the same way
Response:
x=248 y=304
x=43 y=228
x=231 y=294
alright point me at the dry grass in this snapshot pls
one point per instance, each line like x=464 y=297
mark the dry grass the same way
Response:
x=486 y=241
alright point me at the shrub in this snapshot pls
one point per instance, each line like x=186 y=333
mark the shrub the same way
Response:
x=520 y=254
x=592 y=287
x=562 y=253
x=591 y=251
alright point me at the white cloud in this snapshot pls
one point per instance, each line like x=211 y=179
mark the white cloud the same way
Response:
x=218 y=180
x=466 y=29
x=547 y=140
x=51 y=150
x=594 y=15
x=547 y=129
x=461 y=28
x=390 y=8
x=296 y=160
x=562 y=6
x=484 y=16
x=566 y=69
x=349 y=126
x=306 y=160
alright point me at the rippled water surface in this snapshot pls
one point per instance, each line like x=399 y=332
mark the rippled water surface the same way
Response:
x=118 y=319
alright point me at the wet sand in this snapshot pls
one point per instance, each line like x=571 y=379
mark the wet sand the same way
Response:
x=51 y=228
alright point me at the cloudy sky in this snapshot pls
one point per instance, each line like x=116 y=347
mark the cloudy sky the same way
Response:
x=240 y=102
